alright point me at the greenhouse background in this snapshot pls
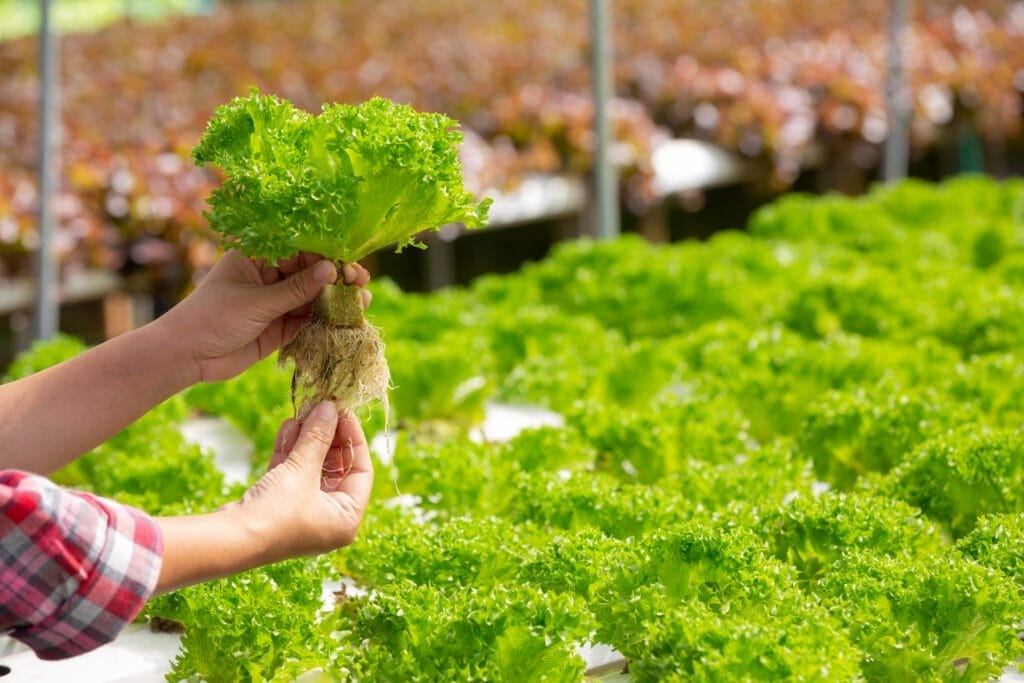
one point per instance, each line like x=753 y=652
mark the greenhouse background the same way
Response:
x=728 y=388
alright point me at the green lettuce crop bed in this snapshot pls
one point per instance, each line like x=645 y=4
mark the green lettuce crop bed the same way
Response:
x=789 y=453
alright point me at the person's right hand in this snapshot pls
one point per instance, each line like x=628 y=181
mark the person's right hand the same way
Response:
x=315 y=492
x=245 y=309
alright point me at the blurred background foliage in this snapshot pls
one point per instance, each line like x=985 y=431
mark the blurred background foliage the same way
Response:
x=795 y=87
x=21 y=17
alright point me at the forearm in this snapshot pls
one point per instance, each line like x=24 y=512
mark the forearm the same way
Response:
x=57 y=415
x=200 y=548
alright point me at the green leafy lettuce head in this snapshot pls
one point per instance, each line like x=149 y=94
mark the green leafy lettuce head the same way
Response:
x=343 y=184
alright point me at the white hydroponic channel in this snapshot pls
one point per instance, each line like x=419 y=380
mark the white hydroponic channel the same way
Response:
x=140 y=655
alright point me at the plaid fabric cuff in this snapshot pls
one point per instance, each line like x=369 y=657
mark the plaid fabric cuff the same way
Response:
x=126 y=549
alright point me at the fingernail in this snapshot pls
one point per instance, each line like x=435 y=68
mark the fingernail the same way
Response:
x=348 y=272
x=325 y=411
x=324 y=273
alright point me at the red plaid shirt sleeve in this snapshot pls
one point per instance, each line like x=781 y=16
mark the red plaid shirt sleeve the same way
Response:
x=75 y=569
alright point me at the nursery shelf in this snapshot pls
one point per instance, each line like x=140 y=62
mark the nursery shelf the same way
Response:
x=84 y=286
x=679 y=165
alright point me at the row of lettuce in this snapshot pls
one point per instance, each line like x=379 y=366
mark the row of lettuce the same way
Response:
x=777 y=83
x=789 y=453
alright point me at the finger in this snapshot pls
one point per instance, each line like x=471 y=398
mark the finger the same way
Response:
x=298 y=289
x=362 y=275
x=367 y=297
x=334 y=468
x=349 y=431
x=233 y=266
x=289 y=329
x=287 y=435
x=303 y=311
x=355 y=274
x=356 y=486
x=282 y=331
x=358 y=483
x=268 y=273
x=315 y=437
x=335 y=460
x=300 y=261
x=338 y=462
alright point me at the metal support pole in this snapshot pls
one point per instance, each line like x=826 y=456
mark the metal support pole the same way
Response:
x=605 y=176
x=897 y=145
x=45 y=322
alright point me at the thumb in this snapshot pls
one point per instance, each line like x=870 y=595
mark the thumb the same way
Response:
x=316 y=437
x=299 y=289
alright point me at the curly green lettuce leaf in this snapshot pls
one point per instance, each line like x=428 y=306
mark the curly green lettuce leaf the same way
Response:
x=812 y=534
x=942 y=617
x=794 y=639
x=849 y=433
x=998 y=542
x=502 y=633
x=343 y=184
x=580 y=500
x=960 y=476
x=266 y=624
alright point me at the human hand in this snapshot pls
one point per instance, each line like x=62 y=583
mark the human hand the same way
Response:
x=317 y=486
x=311 y=500
x=243 y=310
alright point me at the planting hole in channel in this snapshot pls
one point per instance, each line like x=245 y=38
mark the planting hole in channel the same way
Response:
x=4 y=670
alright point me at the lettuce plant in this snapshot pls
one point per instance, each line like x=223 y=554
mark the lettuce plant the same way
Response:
x=957 y=477
x=343 y=184
x=998 y=542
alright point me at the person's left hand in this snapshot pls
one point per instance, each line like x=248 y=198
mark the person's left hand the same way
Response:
x=311 y=500
x=316 y=488
x=243 y=310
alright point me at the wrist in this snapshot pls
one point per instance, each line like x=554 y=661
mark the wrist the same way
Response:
x=252 y=533
x=174 y=354
x=200 y=548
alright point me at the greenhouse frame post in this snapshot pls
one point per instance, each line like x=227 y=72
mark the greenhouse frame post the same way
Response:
x=46 y=319
x=897 y=95
x=605 y=176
